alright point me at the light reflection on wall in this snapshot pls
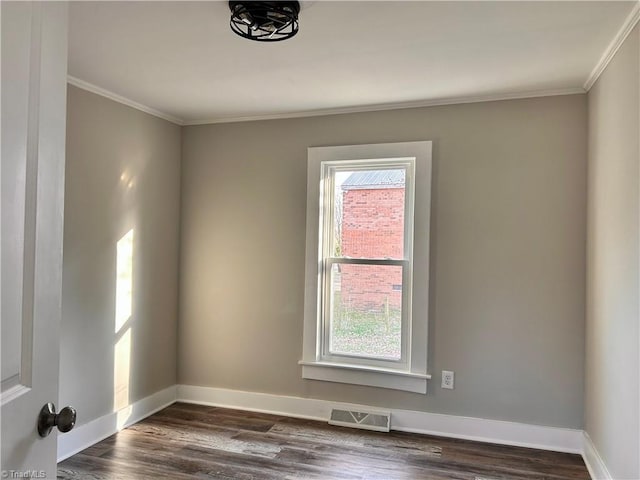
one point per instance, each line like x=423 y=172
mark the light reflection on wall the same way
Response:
x=123 y=310
x=124 y=279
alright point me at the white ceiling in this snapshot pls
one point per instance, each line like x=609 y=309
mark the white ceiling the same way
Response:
x=181 y=58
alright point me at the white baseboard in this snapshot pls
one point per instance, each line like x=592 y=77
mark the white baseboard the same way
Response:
x=478 y=429
x=469 y=428
x=593 y=460
x=83 y=436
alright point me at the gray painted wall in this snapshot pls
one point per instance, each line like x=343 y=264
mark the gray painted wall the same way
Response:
x=507 y=299
x=123 y=173
x=612 y=401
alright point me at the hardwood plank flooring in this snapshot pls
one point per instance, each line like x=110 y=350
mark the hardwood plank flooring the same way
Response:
x=193 y=441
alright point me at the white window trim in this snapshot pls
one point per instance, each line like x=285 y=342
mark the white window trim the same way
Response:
x=413 y=377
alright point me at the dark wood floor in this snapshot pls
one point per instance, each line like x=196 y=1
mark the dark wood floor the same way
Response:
x=191 y=441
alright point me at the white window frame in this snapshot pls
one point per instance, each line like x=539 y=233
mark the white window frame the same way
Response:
x=328 y=169
x=410 y=372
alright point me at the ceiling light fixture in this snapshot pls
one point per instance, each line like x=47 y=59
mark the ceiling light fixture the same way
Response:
x=264 y=21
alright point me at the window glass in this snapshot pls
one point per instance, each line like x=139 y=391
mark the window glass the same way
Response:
x=366 y=311
x=368 y=213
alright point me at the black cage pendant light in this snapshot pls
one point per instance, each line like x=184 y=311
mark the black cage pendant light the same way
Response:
x=264 y=21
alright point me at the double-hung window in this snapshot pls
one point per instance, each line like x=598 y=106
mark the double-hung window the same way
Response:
x=367 y=265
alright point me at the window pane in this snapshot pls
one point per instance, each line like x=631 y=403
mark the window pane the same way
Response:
x=366 y=311
x=369 y=213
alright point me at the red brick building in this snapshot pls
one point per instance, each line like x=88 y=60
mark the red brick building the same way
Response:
x=372 y=227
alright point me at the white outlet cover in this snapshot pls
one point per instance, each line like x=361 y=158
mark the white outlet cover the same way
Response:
x=447 y=379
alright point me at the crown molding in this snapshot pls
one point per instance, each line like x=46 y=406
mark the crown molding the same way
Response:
x=393 y=106
x=89 y=87
x=614 y=46
x=322 y=112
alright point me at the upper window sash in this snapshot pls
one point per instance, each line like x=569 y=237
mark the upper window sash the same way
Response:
x=327 y=198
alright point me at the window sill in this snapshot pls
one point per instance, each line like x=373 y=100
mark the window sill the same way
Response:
x=363 y=375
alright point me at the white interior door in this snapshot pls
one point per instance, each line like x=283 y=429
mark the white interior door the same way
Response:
x=34 y=70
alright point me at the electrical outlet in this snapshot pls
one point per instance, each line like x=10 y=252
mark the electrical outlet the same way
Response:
x=447 y=379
